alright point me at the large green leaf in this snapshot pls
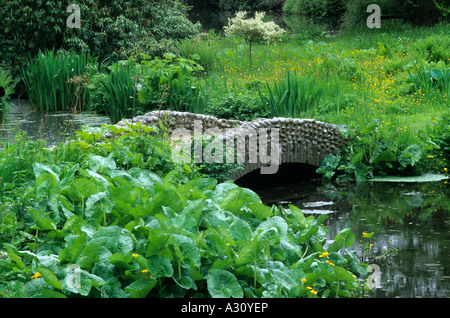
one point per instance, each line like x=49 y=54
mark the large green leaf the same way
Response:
x=159 y=266
x=40 y=168
x=69 y=175
x=223 y=284
x=42 y=222
x=185 y=249
x=88 y=256
x=250 y=253
x=98 y=203
x=277 y=223
x=305 y=263
x=411 y=155
x=260 y=210
x=49 y=277
x=184 y=222
x=221 y=191
x=344 y=238
x=215 y=244
x=233 y=201
x=343 y=274
x=116 y=239
x=240 y=230
x=101 y=164
x=141 y=287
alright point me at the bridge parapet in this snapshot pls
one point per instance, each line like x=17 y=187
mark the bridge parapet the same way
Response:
x=300 y=140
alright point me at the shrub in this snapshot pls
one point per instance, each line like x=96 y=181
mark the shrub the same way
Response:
x=253 y=29
x=7 y=85
x=433 y=48
x=428 y=79
x=169 y=83
x=108 y=29
x=440 y=134
x=56 y=80
x=373 y=151
x=316 y=8
x=243 y=107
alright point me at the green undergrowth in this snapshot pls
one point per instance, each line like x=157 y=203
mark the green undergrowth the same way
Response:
x=120 y=219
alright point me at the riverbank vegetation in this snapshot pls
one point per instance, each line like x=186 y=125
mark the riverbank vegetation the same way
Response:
x=120 y=219
x=95 y=217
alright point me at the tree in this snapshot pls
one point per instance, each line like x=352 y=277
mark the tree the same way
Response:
x=253 y=29
x=427 y=12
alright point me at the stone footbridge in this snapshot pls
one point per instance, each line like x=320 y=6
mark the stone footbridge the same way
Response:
x=267 y=142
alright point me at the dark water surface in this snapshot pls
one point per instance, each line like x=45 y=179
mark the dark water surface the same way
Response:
x=53 y=126
x=410 y=221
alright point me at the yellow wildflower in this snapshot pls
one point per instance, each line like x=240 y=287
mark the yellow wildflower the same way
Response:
x=430 y=157
x=37 y=275
x=330 y=263
x=303 y=280
x=324 y=254
x=135 y=255
x=312 y=290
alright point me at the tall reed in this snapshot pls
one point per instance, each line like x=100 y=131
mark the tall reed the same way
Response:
x=293 y=97
x=46 y=79
x=428 y=80
x=119 y=89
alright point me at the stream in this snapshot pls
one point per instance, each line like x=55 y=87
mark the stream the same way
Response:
x=410 y=257
x=52 y=127
x=411 y=221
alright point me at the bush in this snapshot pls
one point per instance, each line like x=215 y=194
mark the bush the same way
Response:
x=253 y=29
x=440 y=134
x=433 y=48
x=169 y=83
x=108 y=29
x=373 y=151
x=7 y=85
x=57 y=80
x=243 y=107
x=315 y=8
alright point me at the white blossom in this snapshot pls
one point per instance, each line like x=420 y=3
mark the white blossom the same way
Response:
x=253 y=29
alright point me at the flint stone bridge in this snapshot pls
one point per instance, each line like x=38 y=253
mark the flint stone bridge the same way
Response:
x=305 y=141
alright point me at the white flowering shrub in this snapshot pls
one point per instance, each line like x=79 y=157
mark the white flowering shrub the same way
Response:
x=253 y=29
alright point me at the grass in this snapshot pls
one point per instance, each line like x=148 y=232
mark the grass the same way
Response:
x=365 y=76
x=357 y=65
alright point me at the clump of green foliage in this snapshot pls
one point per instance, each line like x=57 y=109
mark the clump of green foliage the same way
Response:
x=7 y=85
x=56 y=80
x=112 y=30
x=119 y=219
x=372 y=151
x=293 y=97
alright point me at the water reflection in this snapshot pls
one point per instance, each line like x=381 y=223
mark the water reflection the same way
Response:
x=410 y=221
x=53 y=127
